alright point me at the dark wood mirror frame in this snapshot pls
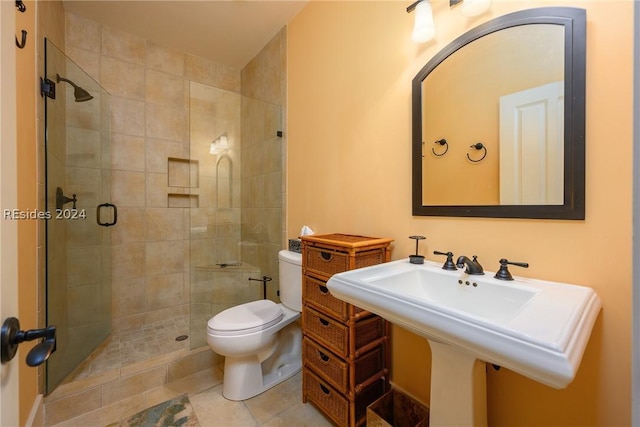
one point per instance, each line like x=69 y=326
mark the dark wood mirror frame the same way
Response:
x=574 y=22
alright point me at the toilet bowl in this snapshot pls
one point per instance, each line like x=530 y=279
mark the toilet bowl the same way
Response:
x=261 y=340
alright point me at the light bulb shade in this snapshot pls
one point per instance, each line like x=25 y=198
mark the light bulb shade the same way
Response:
x=423 y=28
x=474 y=7
x=220 y=144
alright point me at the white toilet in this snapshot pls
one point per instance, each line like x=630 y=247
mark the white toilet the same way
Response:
x=261 y=340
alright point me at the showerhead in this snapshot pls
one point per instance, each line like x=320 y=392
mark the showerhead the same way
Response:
x=79 y=93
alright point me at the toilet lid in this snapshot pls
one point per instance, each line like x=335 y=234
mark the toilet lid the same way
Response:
x=250 y=317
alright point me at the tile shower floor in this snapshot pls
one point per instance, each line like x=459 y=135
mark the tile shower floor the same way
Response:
x=134 y=345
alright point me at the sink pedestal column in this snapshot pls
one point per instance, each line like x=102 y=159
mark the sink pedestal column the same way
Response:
x=458 y=388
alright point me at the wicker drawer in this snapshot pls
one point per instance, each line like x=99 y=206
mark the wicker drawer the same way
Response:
x=316 y=292
x=334 y=404
x=327 y=262
x=336 y=371
x=330 y=333
x=335 y=335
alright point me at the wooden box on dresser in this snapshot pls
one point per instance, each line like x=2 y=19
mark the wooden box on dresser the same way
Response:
x=345 y=350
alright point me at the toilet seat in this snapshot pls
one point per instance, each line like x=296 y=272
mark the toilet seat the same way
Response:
x=246 y=318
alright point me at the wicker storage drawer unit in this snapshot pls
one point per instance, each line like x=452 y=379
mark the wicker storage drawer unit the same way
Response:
x=345 y=349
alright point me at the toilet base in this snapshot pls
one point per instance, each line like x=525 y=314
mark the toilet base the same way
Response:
x=246 y=377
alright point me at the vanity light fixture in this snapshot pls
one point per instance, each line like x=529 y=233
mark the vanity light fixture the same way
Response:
x=423 y=28
x=220 y=144
x=474 y=7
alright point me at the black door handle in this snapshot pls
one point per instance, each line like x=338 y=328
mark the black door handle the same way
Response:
x=12 y=336
x=115 y=214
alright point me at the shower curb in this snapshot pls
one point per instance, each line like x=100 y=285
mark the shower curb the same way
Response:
x=77 y=398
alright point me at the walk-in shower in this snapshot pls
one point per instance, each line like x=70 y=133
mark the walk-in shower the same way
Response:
x=194 y=225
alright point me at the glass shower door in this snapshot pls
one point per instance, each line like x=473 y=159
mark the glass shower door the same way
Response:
x=77 y=190
x=235 y=202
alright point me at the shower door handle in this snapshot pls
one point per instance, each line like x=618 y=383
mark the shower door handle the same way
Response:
x=115 y=214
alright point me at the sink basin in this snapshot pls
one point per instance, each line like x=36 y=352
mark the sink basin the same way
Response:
x=536 y=328
x=495 y=303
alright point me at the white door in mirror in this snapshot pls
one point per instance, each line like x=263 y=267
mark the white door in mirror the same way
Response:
x=532 y=146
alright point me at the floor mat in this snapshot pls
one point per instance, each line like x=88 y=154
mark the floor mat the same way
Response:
x=176 y=412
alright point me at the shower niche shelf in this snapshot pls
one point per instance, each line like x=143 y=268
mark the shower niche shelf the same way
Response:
x=183 y=172
x=177 y=200
x=182 y=175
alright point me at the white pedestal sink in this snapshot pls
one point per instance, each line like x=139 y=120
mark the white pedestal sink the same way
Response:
x=536 y=328
x=458 y=388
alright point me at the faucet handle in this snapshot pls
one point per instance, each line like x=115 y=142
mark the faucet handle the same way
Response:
x=448 y=264
x=504 y=273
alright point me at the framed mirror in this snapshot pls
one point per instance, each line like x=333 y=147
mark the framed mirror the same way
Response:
x=499 y=120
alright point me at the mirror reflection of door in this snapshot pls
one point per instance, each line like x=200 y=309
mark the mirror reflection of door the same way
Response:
x=532 y=146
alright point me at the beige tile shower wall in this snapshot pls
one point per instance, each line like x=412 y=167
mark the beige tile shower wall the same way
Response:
x=149 y=87
x=87 y=246
x=263 y=158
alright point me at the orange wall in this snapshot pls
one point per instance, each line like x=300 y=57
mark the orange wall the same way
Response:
x=350 y=66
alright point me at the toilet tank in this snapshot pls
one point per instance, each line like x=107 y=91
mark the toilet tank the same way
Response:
x=290 y=265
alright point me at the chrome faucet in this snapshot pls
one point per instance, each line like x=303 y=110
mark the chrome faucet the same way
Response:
x=473 y=266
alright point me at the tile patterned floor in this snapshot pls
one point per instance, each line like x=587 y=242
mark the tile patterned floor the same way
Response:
x=279 y=406
x=133 y=345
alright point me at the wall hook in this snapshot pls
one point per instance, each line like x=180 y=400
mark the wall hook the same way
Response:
x=446 y=147
x=478 y=146
x=21 y=6
x=21 y=44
